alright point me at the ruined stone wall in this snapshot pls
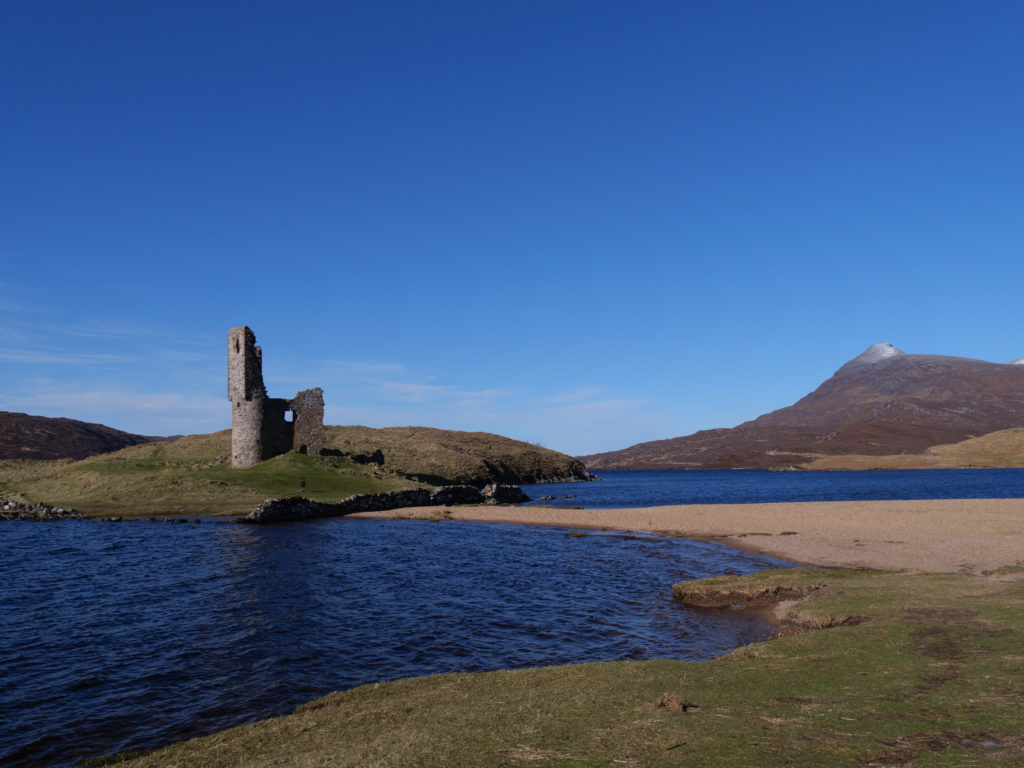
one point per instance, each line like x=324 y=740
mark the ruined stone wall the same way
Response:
x=277 y=430
x=308 y=408
x=260 y=427
x=246 y=393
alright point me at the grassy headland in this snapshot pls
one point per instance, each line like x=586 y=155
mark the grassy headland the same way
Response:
x=193 y=475
x=441 y=456
x=916 y=669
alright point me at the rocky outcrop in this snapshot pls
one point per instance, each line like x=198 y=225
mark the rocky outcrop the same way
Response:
x=448 y=495
x=503 y=494
x=17 y=510
x=294 y=508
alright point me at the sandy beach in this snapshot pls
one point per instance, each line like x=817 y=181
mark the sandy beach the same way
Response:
x=949 y=535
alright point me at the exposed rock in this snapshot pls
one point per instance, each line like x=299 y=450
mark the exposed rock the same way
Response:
x=17 y=510
x=457 y=494
x=293 y=508
x=503 y=494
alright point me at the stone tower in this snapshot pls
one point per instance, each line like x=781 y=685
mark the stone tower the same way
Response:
x=263 y=427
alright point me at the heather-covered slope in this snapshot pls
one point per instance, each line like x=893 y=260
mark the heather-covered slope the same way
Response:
x=37 y=437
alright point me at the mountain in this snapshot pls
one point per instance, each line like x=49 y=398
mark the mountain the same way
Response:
x=37 y=437
x=881 y=402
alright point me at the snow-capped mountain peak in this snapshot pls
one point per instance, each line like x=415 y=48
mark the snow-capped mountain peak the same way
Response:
x=876 y=353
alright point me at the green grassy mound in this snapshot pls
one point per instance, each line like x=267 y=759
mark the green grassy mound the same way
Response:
x=922 y=670
x=192 y=475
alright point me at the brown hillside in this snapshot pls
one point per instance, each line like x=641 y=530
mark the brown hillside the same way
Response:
x=37 y=437
x=882 y=402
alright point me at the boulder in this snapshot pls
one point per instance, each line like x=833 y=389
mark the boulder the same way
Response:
x=503 y=494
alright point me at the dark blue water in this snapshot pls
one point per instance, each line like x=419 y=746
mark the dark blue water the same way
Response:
x=117 y=636
x=640 y=488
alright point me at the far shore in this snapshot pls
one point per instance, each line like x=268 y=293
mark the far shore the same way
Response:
x=947 y=535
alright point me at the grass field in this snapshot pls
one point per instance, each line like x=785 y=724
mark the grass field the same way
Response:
x=191 y=475
x=1004 y=448
x=915 y=669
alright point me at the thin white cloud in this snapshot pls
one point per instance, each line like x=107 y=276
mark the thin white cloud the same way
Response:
x=59 y=357
x=143 y=380
x=10 y=304
x=576 y=395
x=609 y=406
x=412 y=392
x=363 y=369
x=421 y=393
x=171 y=412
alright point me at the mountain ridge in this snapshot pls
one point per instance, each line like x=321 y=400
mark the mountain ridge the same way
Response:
x=882 y=402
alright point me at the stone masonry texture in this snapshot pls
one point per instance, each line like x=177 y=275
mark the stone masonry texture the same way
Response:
x=260 y=425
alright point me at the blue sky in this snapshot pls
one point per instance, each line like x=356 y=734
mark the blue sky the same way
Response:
x=584 y=224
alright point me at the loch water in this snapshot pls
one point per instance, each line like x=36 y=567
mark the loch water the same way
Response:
x=132 y=635
x=123 y=636
x=620 y=489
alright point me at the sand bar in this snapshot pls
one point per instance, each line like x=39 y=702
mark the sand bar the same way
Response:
x=948 y=535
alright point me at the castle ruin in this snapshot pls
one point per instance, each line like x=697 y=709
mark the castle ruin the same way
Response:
x=263 y=427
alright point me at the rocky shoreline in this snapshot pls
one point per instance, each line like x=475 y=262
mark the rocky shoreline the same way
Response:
x=18 y=510
x=292 y=508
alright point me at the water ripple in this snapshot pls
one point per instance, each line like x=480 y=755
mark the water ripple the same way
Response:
x=130 y=636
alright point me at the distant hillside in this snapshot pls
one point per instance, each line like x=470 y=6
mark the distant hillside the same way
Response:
x=882 y=402
x=37 y=437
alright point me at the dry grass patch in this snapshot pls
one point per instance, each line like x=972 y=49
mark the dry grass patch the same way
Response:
x=995 y=450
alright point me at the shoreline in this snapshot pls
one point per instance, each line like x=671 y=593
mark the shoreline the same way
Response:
x=944 y=535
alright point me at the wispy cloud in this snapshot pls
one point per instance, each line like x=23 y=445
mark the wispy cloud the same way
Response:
x=133 y=411
x=579 y=394
x=152 y=381
x=58 y=357
x=84 y=351
x=422 y=393
x=364 y=370
x=10 y=304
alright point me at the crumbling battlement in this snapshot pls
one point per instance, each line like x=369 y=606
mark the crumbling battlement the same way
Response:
x=263 y=427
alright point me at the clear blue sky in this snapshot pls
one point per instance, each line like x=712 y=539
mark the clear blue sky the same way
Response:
x=586 y=224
